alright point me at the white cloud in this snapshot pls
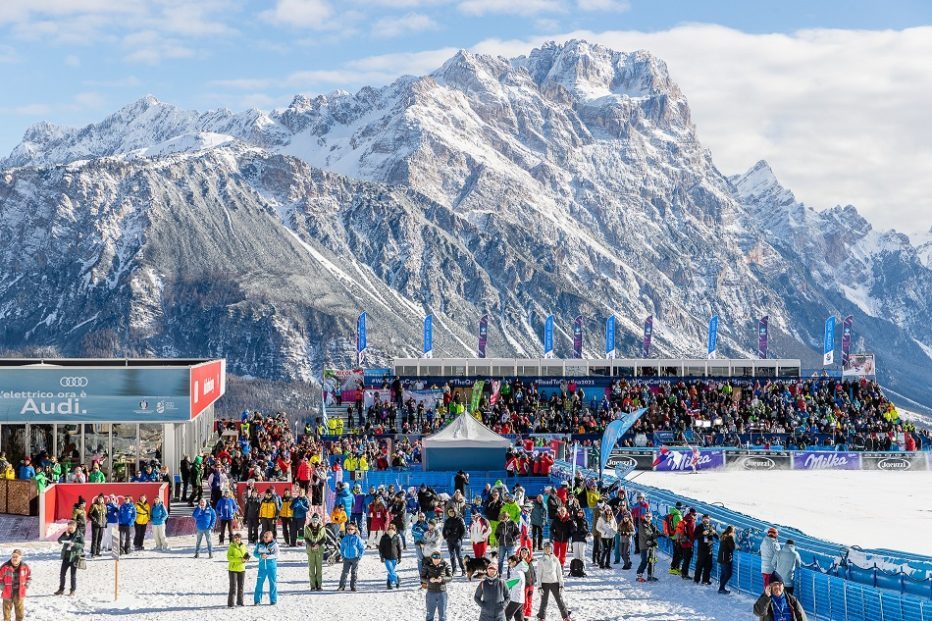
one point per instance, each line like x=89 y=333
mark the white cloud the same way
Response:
x=511 y=7
x=300 y=14
x=72 y=61
x=403 y=4
x=617 y=6
x=404 y=24
x=151 y=48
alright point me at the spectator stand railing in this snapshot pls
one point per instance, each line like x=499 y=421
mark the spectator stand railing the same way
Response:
x=823 y=594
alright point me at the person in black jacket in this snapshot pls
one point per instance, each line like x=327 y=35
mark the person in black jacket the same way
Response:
x=460 y=481
x=492 y=596
x=507 y=533
x=561 y=529
x=705 y=536
x=252 y=515
x=726 y=555
x=435 y=574
x=185 y=476
x=390 y=554
x=72 y=549
x=454 y=530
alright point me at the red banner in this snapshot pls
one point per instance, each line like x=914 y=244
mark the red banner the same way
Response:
x=208 y=383
x=66 y=494
x=261 y=486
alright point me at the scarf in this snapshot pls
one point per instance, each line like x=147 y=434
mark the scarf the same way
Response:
x=781 y=608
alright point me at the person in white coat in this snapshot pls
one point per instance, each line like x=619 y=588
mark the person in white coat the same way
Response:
x=516 y=588
x=786 y=563
x=479 y=532
x=769 y=548
x=550 y=582
x=606 y=526
x=432 y=539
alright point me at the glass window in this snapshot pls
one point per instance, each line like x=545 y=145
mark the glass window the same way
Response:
x=743 y=371
x=647 y=371
x=765 y=371
x=718 y=371
x=577 y=370
x=669 y=371
x=150 y=442
x=500 y=371
x=409 y=370
x=431 y=371
x=13 y=443
x=40 y=439
x=551 y=371
x=124 y=451
x=68 y=447
x=789 y=371
x=456 y=371
x=97 y=445
x=694 y=372
x=528 y=371
x=599 y=371
x=479 y=370
x=624 y=371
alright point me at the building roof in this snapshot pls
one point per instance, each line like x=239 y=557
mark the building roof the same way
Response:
x=466 y=432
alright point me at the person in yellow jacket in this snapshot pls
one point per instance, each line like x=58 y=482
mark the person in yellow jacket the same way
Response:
x=338 y=516
x=142 y=520
x=332 y=426
x=8 y=472
x=285 y=513
x=339 y=427
x=268 y=512
x=236 y=567
x=315 y=458
x=593 y=497
x=350 y=464
x=363 y=465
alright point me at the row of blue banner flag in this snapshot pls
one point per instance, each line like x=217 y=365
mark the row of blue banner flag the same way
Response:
x=763 y=334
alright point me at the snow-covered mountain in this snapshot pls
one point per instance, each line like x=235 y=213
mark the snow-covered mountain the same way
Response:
x=570 y=181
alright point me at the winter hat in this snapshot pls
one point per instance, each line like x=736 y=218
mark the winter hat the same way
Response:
x=315 y=517
x=775 y=577
x=772 y=532
x=679 y=505
x=692 y=510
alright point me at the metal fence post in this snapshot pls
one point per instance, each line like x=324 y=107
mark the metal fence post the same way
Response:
x=829 y=585
x=845 y=598
x=880 y=601
x=815 y=601
x=863 y=607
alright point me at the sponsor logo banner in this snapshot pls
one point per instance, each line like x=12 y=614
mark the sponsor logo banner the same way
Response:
x=648 y=335
x=610 y=337
x=548 y=337
x=713 y=336
x=860 y=365
x=483 y=335
x=762 y=460
x=429 y=336
x=429 y=398
x=76 y=394
x=641 y=459
x=208 y=383
x=677 y=460
x=763 y=328
x=894 y=462
x=577 y=336
x=828 y=343
x=344 y=385
x=826 y=460
x=373 y=396
x=846 y=326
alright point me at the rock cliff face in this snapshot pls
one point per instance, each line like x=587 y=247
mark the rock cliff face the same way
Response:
x=568 y=181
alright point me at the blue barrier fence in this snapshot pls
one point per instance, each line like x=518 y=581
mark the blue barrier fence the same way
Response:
x=823 y=595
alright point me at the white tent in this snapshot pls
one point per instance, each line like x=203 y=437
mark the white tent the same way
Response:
x=465 y=443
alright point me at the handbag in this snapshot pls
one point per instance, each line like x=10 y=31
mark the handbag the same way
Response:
x=82 y=563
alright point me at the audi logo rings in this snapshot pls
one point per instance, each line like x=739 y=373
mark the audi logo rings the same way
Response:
x=73 y=382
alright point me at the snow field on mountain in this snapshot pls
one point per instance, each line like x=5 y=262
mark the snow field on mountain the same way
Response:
x=870 y=509
x=174 y=586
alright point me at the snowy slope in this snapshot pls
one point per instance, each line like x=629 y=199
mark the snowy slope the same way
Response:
x=833 y=505
x=176 y=587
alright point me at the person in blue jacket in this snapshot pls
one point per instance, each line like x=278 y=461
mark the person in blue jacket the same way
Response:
x=299 y=510
x=417 y=534
x=226 y=511
x=352 y=548
x=112 y=534
x=26 y=471
x=267 y=553
x=359 y=507
x=345 y=497
x=158 y=516
x=204 y=520
x=126 y=520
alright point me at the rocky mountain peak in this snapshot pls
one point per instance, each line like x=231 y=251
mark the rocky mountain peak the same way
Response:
x=760 y=184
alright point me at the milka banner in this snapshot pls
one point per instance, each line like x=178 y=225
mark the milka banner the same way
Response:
x=648 y=336
x=614 y=431
x=679 y=460
x=828 y=343
x=610 y=337
x=827 y=460
x=548 y=337
x=577 y=336
x=713 y=336
x=483 y=334
x=429 y=336
x=846 y=339
x=360 y=338
x=763 y=327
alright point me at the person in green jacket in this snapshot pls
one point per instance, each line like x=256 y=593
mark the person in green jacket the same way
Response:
x=314 y=537
x=197 y=481
x=72 y=549
x=41 y=481
x=96 y=475
x=56 y=470
x=237 y=555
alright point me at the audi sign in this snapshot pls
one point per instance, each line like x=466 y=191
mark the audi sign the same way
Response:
x=73 y=382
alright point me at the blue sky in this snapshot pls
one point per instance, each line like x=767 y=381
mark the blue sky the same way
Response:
x=741 y=64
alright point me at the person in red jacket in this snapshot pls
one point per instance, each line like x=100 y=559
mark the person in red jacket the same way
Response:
x=14 y=576
x=546 y=463
x=304 y=474
x=378 y=522
x=560 y=530
x=563 y=493
x=685 y=533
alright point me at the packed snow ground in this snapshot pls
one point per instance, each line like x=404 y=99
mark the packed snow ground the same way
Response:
x=871 y=509
x=174 y=586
